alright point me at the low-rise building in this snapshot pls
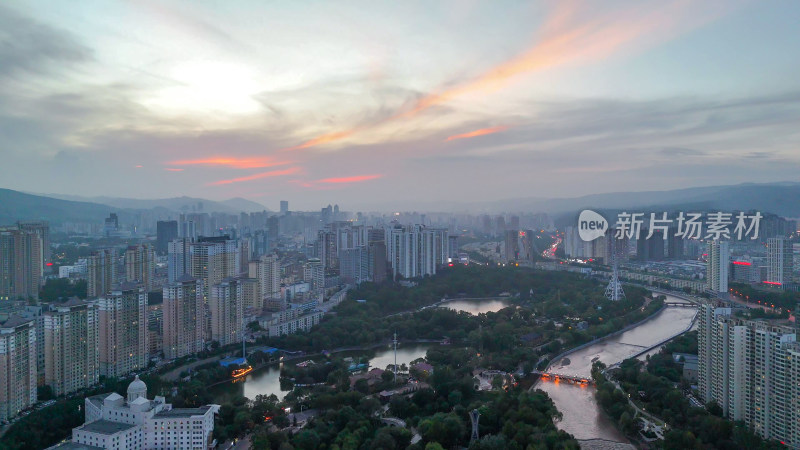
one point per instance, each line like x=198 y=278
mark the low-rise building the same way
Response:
x=114 y=422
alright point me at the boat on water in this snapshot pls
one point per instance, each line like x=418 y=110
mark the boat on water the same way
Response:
x=238 y=373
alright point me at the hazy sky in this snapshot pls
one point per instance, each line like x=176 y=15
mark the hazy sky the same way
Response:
x=375 y=103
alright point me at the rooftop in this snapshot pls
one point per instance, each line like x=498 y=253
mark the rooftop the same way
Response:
x=183 y=412
x=105 y=427
x=15 y=321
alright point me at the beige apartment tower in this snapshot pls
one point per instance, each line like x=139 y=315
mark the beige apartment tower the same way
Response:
x=17 y=366
x=227 y=311
x=71 y=333
x=183 y=322
x=123 y=330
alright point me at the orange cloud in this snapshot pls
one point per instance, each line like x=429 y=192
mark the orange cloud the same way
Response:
x=173 y=169
x=272 y=173
x=238 y=163
x=354 y=179
x=568 y=36
x=324 y=139
x=476 y=133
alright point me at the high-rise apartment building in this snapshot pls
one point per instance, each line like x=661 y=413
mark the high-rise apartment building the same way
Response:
x=178 y=258
x=213 y=259
x=751 y=368
x=354 y=264
x=17 y=366
x=166 y=232
x=21 y=263
x=780 y=263
x=314 y=274
x=140 y=265
x=123 y=330
x=511 y=246
x=268 y=274
x=284 y=206
x=227 y=311
x=416 y=250
x=71 y=333
x=101 y=269
x=717 y=266
x=183 y=318
x=42 y=228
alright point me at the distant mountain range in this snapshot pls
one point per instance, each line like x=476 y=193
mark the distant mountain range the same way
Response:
x=182 y=204
x=57 y=208
x=777 y=198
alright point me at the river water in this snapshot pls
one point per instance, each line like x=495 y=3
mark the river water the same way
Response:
x=582 y=416
x=476 y=307
x=266 y=381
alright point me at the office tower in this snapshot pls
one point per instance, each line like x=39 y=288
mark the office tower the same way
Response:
x=717 y=266
x=71 y=333
x=314 y=274
x=140 y=265
x=111 y=225
x=17 y=366
x=166 y=232
x=273 y=230
x=511 y=247
x=284 y=206
x=416 y=250
x=42 y=228
x=779 y=261
x=326 y=215
x=178 y=258
x=227 y=311
x=123 y=330
x=183 y=318
x=377 y=261
x=751 y=368
x=101 y=272
x=188 y=230
x=21 y=263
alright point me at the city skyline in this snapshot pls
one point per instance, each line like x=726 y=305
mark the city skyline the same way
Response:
x=309 y=103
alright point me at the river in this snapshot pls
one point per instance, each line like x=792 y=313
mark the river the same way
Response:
x=582 y=416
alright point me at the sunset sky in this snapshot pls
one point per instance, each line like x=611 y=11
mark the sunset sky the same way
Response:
x=376 y=103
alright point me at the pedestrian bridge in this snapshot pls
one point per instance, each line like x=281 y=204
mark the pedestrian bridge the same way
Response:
x=559 y=377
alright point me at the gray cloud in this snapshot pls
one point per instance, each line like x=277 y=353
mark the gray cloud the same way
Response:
x=30 y=47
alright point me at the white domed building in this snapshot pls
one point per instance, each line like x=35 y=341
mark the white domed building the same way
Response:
x=113 y=422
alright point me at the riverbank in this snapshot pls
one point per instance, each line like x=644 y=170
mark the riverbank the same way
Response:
x=582 y=415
